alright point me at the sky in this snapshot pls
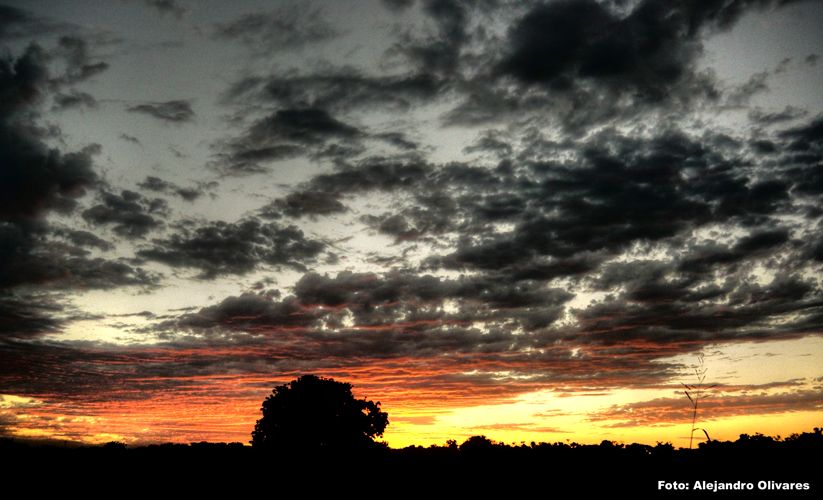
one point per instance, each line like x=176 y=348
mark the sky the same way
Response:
x=527 y=220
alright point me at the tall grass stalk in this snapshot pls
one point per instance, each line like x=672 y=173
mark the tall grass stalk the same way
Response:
x=696 y=392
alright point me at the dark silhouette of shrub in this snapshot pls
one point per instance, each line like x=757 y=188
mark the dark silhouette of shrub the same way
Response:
x=477 y=444
x=314 y=414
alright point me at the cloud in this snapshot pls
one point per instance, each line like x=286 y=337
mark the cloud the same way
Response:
x=79 y=67
x=130 y=214
x=305 y=118
x=647 y=52
x=579 y=221
x=397 y=5
x=713 y=406
x=339 y=89
x=591 y=232
x=289 y=27
x=287 y=133
x=398 y=314
x=761 y=117
x=667 y=312
x=303 y=203
x=74 y=99
x=159 y=185
x=164 y=7
x=170 y=111
x=578 y=64
x=131 y=139
x=81 y=238
x=38 y=262
x=28 y=316
x=703 y=258
x=321 y=194
x=220 y=248
x=17 y=23
x=302 y=126
x=55 y=266
x=36 y=180
x=35 y=177
x=440 y=53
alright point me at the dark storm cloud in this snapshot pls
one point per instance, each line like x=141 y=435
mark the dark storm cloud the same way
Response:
x=584 y=63
x=97 y=273
x=683 y=310
x=397 y=314
x=287 y=133
x=74 y=99
x=288 y=28
x=806 y=137
x=439 y=53
x=156 y=184
x=761 y=117
x=727 y=228
x=35 y=177
x=374 y=174
x=17 y=23
x=170 y=111
x=758 y=243
x=576 y=63
x=611 y=193
x=129 y=213
x=22 y=317
x=164 y=7
x=301 y=126
x=303 y=203
x=83 y=239
x=33 y=256
x=79 y=67
x=159 y=185
x=430 y=199
x=398 y=140
x=34 y=180
x=11 y=17
x=247 y=310
x=490 y=142
x=306 y=120
x=397 y=5
x=220 y=248
x=802 y=148
x=649 y=51
x=337 y=90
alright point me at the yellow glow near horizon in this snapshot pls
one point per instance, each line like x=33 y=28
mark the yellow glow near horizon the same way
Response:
x=224 y=408
x=545 y=416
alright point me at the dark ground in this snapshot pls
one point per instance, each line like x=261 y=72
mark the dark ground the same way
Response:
x=478 y=466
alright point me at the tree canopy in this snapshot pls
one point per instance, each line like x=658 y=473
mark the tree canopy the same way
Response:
x=313 y=413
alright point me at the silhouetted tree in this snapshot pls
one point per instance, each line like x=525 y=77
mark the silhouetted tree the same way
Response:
x=312 y=414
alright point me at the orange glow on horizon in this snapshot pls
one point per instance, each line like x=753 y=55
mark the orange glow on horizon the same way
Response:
x=429 y=402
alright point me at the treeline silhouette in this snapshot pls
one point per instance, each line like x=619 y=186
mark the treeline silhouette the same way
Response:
x=315 y=439
x=477 y=464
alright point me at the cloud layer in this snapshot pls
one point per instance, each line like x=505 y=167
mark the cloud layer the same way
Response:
x=486 y=200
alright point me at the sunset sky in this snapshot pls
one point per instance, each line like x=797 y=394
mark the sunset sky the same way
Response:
x=519 y=219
